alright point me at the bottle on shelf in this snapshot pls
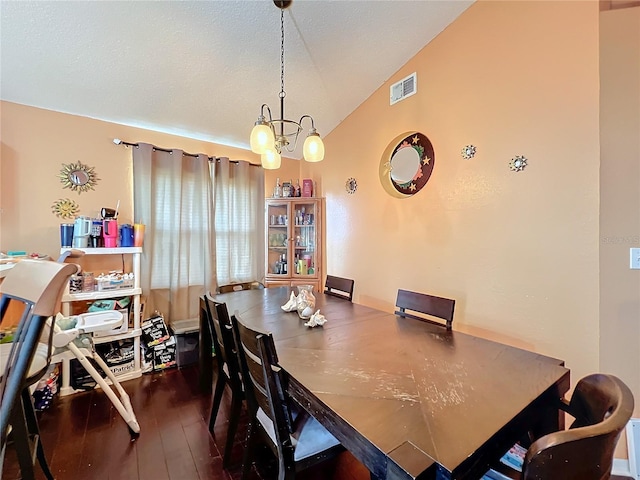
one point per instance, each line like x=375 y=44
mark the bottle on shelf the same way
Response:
x=286 y=189
x=284 y=264
x=296 y=190
x=277 y=191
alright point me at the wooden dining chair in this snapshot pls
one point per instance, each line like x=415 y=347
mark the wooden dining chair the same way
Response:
x=601 y=405
x=228 y=371
x=339 y=287
x=297 y=439
x=33 y=288
x=236 y=287
x=430 y=305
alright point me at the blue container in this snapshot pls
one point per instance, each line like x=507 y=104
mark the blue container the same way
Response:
x=126 y=235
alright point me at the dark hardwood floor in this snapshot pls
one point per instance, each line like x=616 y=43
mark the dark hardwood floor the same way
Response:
x=85 y=438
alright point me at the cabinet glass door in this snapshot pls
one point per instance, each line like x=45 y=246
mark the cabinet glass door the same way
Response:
x=278 y=238
x=304 y=238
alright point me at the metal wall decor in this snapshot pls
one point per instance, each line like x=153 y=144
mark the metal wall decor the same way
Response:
x=406 y=164
x=468 y=152
x=351 y=185
x=65 y=208
x=78 y=177
x=518 y=163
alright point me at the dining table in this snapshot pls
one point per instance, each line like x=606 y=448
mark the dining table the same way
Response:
x=408 y=398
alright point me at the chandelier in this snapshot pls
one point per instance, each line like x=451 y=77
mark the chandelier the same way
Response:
x=269 y=138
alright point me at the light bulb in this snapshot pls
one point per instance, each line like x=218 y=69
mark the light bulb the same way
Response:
x=261 y=138
x=313 y=149
x=270 y=160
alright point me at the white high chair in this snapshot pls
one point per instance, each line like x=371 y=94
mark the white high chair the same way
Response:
x=88 y=323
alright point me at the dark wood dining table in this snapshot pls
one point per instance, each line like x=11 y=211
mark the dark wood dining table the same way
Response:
x=409 y=399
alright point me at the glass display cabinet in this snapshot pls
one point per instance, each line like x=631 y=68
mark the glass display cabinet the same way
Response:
x=294 y=242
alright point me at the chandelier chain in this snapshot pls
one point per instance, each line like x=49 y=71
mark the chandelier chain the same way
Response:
x=273 y=136
x=282 y=93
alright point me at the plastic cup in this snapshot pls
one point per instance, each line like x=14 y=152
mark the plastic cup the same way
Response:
x=138 y=234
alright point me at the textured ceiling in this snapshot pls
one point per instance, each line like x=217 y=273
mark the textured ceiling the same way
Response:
x=201 y=69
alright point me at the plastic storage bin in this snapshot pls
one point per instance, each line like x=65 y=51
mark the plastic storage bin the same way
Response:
x=187 y=334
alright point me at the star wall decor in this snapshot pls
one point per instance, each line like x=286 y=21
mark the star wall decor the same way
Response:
x=468 y=152
x=518 y=163
x=351 y=186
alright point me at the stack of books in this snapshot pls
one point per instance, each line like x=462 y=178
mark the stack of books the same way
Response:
x=514 y=459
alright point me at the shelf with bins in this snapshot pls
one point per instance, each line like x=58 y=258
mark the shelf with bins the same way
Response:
x=293 y=243
x=135 y=293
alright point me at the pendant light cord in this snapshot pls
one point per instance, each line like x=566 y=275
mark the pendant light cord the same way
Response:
x=282 y=92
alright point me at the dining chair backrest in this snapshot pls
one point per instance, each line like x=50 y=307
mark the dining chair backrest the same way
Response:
x=223 y=340
x=264 y=385
x=34 y=288
x=339 y=287
x=236 y=287
x=228 y=373
x=601 y=405
x=296 y=438
x=433 y=306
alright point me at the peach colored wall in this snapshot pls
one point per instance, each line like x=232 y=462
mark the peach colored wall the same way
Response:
x=518 y=251
x=620 y=195
x=35 y=144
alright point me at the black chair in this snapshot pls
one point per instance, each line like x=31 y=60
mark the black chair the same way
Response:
x=601 y=405
x=428 y=304
x=339 y=287
x=228 y=370
x=297 y=439
x=34 y=288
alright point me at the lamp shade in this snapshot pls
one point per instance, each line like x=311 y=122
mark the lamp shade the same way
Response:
x=313 y=150
x=270 y=160
x=261 y=138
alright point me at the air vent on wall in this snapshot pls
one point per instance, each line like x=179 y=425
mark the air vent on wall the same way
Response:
x=403 y=89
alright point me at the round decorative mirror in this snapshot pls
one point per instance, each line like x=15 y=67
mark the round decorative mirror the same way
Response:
x=78 y=177
x=406 y=164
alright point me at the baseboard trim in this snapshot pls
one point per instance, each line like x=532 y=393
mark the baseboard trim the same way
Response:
x=633 y=446
x=624 y=469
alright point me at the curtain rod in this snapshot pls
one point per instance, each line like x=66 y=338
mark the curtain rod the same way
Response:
x=117 y=141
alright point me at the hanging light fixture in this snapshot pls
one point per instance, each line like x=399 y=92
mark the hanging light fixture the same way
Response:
x=270 y=137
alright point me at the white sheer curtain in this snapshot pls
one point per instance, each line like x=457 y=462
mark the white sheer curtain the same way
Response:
x=239 y=221
x=173 y=197
x=204 y=227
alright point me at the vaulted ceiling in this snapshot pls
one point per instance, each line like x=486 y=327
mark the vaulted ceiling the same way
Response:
x=202 y=69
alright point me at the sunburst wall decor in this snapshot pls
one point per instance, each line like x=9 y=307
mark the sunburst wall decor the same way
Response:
x=78 y=177
x=65 y=208
x=351 y=186
x=518 y=163
x=468 y=152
